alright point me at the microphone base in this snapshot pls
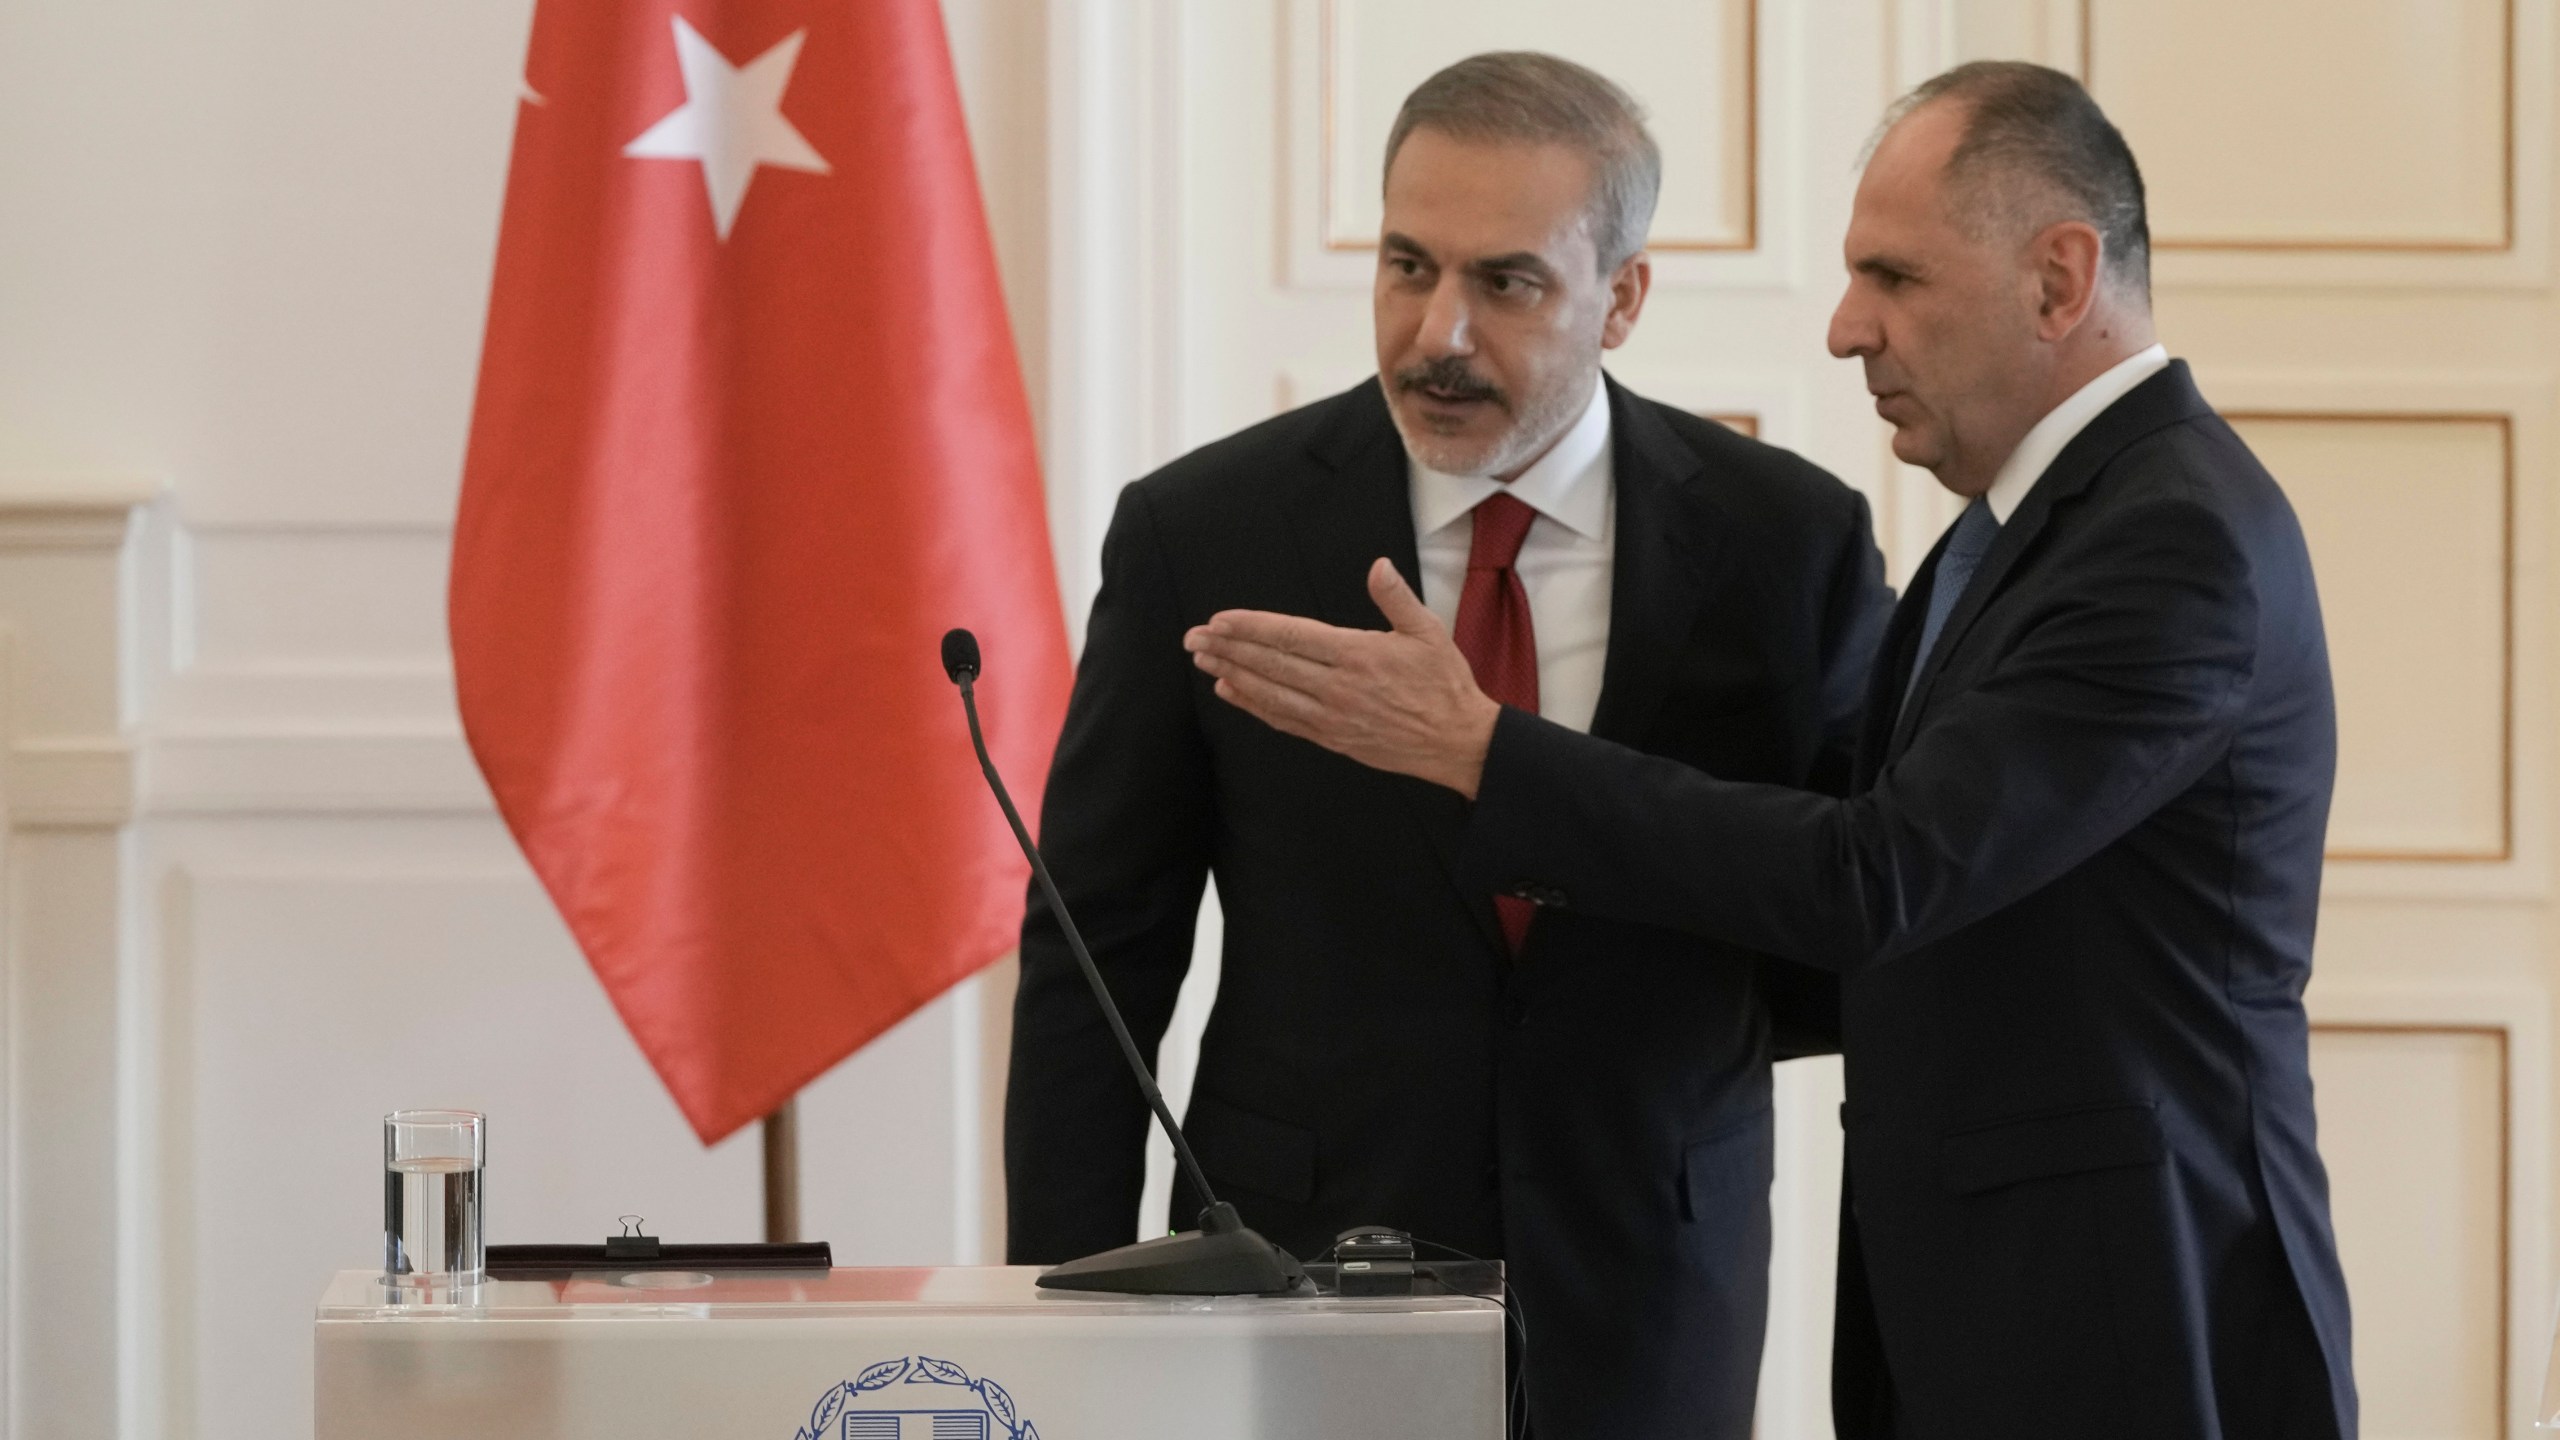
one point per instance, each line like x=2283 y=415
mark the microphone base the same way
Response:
x=1220 y=1258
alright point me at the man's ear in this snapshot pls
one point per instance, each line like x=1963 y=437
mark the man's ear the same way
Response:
x=2066 y=257
x=1627 y=289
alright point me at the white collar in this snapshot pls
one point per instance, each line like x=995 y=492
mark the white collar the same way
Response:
x=1558 y=486
x=2063 y=423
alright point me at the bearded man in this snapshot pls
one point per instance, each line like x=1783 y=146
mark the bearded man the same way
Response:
x=1584 y=1098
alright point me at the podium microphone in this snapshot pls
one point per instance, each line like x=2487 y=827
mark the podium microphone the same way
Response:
x=1222 y=1257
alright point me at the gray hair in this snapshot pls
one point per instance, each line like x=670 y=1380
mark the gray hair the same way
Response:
x=1524 y=96
x=2032 y=137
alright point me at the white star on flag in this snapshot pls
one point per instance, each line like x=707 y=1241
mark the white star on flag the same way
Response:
x=731 y=121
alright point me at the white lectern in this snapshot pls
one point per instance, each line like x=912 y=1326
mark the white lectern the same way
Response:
x=959 y=1354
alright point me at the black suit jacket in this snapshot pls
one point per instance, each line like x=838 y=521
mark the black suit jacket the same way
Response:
x=1597 y=1112
x=2072 y=905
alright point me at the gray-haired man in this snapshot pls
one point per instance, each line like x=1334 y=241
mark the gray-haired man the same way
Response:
x=1586 y=1099
x=2072 y=899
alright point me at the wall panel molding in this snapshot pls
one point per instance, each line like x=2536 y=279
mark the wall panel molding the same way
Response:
x=259 y=598
x=295 y=625
x=2506 y=244
x=426 y=771
x=2498 y=1399
x=1337 y=231
x=2370 y=836
x=75 y=782
x=1328 y=171
x=293 y=668
x=2494 y=231
x=85 y=511
x=66 y=555
x=2515 y=1020
x=2522 y=402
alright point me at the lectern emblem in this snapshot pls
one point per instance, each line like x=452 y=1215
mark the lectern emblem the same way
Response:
x=917 y=1398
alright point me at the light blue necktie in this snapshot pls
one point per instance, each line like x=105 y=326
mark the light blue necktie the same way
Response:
x=1968 y=540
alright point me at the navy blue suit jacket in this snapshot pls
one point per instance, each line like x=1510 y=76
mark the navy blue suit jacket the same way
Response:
x=1595 y=1113
x=2071 y=904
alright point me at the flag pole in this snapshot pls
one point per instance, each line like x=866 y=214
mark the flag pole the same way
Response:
x=782 y=1173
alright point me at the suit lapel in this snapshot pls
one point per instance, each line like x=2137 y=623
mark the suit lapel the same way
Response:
x=1354 y=504
x=1887 y=680
x=1667 y=547
x=2012 y=542
x=2164 y=399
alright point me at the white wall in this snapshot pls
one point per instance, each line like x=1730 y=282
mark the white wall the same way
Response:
x=244 y=255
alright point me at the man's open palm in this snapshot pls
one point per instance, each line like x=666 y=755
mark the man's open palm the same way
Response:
x=1403 y=700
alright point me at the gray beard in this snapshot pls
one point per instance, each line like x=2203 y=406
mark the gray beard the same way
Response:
x=1536 y=429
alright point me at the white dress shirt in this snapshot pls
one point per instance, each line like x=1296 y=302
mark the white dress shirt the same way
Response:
x=1565 y=564
x=2062 y=424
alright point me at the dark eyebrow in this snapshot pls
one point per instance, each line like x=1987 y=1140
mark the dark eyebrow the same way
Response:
x=1402 y=244
x=1884 y=265
x=1518 y=261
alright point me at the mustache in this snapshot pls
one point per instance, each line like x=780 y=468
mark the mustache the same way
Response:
x=1450 y=376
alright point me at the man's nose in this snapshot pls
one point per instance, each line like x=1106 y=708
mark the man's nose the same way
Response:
x=1853 y=330
x=1447 y=328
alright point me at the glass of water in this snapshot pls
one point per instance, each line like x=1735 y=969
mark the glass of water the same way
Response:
x=431 y=1163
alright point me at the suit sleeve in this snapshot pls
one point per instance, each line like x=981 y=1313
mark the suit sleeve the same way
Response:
x=1126 y=828
x=1804 y=1003
x=2123 y=689
x=1859 y=605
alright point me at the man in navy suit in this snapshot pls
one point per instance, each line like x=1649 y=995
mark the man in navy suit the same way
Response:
x=1587 y=1099
x=2070 y=897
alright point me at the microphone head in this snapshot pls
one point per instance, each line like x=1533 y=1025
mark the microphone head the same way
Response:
x=960 y=656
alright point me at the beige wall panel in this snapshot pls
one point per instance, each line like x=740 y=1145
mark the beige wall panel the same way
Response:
x=2414 y=1128
x=1690 y=63
x=2045 y=31
x=2408 y=522
x=2313 y=124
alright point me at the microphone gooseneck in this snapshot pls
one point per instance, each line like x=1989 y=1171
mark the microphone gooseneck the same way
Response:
x=1224 y=1256
x=960 y=662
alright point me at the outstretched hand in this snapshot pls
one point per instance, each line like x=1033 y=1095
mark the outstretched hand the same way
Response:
x=1404 y=700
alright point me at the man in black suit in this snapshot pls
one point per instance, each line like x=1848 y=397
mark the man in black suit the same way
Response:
x=1585 y=1098
x=2071 y=896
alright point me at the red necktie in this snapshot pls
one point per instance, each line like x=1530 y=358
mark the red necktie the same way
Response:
x=1495 y=635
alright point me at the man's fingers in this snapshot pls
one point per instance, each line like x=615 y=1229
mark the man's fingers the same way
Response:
x=1404 y=609
x=1311 y=639
x=1228 y=691
x=1262 y=697
x=1295 y=671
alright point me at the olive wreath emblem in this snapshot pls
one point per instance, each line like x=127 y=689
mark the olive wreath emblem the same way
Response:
x=918 y=1370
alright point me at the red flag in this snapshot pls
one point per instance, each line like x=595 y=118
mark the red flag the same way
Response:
x=750 y=436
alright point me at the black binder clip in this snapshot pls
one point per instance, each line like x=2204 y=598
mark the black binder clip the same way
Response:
x=1374 y=1260
x=631 y=1244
